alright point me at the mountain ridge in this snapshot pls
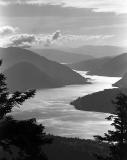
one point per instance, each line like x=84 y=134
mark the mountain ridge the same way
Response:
x=99 y=101
x=122 y=83
x=61 y=56
x=107 y=66
x=58 y=72
x=99 y=51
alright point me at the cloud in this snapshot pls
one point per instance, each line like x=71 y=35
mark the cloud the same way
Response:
x=22 y=40
x=7 y=30
x=77 y=40
x=117 y=6
x=54 y=37
x=52 y=40
x=28 y=40
x=84 y=37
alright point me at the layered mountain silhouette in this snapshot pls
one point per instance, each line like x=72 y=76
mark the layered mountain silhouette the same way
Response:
x=108 y=66
x=98 y=50
x=61 y=56
x=28 y=63
x=99 y=101
x=89 y=65
x=122 y=83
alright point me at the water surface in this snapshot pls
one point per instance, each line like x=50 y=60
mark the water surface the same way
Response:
x=51 y=108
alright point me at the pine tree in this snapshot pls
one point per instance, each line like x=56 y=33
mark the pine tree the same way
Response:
x=26 y=135
x=117 y=138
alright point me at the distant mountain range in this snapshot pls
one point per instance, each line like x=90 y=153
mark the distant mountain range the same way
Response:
x=61 y=56
x=74 y=55
x=34 y=70
x=107 y=66
x=98 y=51
x=99 y=101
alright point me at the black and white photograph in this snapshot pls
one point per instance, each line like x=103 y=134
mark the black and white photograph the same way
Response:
x=63 y=79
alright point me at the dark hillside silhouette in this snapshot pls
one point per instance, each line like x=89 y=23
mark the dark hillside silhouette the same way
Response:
x=122 y=83
x=25 y=75
x=73 y=148
x=26 y=136
x=99 y=101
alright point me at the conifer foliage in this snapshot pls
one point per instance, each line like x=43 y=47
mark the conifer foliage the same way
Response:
x=26 y=135
x=117 y=138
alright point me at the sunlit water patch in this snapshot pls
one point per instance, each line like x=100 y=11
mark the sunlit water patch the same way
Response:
x=51 y=108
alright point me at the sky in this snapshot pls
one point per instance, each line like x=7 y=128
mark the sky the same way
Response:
x=63 y=23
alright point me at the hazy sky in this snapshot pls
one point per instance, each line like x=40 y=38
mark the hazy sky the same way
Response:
x=63 y=23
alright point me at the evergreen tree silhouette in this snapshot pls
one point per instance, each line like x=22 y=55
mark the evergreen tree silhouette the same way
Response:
x=26 y=135
x=117 y=138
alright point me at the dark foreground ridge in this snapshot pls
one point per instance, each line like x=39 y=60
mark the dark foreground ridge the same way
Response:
x=73 y=148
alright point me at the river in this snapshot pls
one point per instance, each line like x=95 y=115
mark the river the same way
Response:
x=51 y=108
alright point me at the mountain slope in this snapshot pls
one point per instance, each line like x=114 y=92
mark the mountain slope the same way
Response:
x=99 y=101
x=113 y=66
x=24 y=76
x=117 y=66
x=61 y=56
x=54 y=70
x=89 y=65
x=122 y=83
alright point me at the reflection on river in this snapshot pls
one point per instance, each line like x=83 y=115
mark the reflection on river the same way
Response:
x=51 y=107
